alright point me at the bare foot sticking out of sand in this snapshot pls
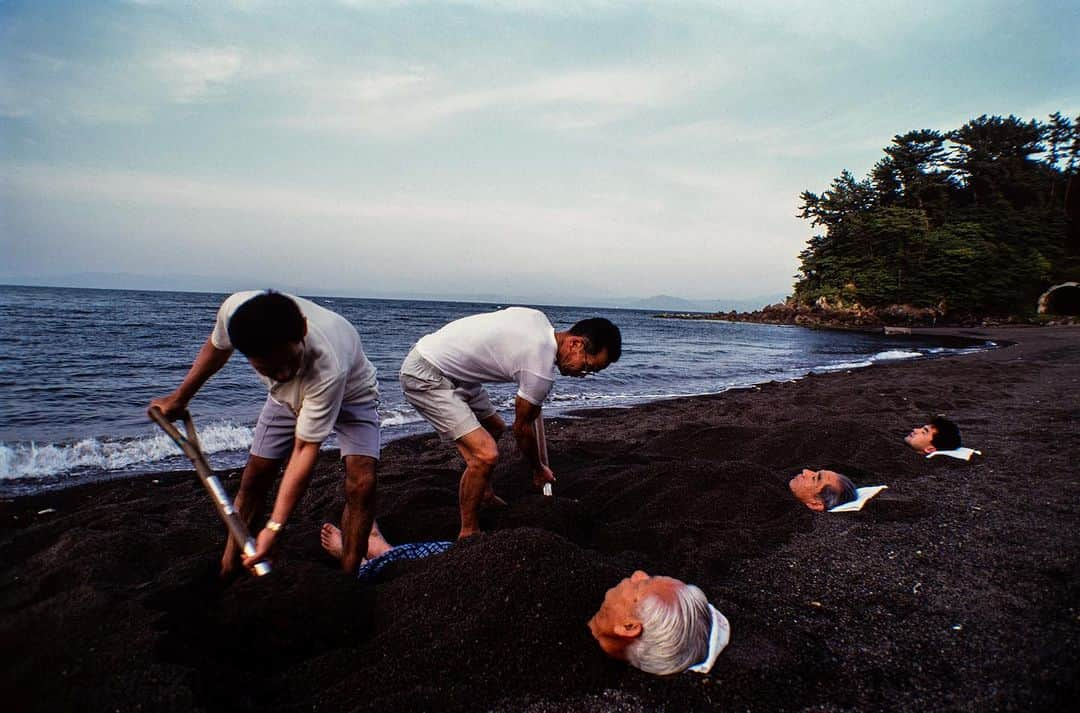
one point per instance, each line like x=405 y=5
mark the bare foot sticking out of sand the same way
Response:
x=330 y=537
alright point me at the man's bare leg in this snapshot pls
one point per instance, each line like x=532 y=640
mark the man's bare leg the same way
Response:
x=258 y=476
x=495 y=426
x=330 y=536
x=359 y=513
x=481 y=454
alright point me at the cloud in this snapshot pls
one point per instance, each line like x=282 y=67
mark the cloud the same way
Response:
x=861 y=22
x=42 y=86
x=192 y=75
x=370 y=88
x=864 y=23
x=755 y=201
x=665 y=141
x=132 y=188
x=633 y=85
x=407 y=103
x=109 y=91
x=198 y=74
x=531 y=7
x=134 y=88
x=620 y=235
x=381 y=87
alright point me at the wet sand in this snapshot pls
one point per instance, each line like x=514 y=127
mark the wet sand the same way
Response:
x=956 y=589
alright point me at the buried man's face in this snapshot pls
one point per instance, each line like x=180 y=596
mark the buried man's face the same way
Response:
x=921 y=437
x=616 y=625
x=807 y=487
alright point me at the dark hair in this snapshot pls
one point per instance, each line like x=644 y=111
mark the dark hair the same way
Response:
x=264 y=322
x=946 y=434
x=601 y=334
x=831 y=498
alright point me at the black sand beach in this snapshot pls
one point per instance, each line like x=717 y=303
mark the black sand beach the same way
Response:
x=956 y=589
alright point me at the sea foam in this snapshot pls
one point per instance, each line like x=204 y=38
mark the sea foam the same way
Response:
x=889 y=355
x=895 y=354
x=33 y=460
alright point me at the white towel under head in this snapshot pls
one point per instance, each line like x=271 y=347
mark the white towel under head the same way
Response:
x=719 y=635
x=960 y=453
x=862 y=496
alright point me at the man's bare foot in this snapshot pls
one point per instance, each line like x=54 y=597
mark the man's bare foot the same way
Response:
x=332 y=542
x=330 y=537
x=467 y=533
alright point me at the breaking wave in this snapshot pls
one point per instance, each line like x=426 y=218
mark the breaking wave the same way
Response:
x=32 y=460
x=890 y=355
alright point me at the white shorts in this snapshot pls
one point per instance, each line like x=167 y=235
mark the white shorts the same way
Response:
x=453 y=409
x=357 y=427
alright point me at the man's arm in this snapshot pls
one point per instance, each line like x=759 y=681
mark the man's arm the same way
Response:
x=313 y=425
x=293 y=485
x=208 y=362
x=525 y=413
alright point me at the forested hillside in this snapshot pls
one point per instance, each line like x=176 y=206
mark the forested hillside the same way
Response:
x=977 y=220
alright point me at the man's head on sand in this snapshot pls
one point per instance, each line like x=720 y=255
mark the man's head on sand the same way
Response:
x=657 y=624
x=588 y=346
x=822 y=490
x=940 y=434
x=269 y=330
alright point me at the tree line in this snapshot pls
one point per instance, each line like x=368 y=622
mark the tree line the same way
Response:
x=978 y=220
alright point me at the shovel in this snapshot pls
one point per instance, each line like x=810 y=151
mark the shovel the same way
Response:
x=541 y=446
x=189 y=444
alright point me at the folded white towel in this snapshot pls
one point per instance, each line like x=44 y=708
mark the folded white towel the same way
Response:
x=862 y=496
x=719 y=635
x=960 y=453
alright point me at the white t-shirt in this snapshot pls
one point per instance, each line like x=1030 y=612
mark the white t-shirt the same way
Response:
x=515 y=344
x=335 y=368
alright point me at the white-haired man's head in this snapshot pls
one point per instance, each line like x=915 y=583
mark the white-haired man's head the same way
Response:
x=660 y=625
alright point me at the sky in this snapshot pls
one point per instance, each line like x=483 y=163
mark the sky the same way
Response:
x=556 y=150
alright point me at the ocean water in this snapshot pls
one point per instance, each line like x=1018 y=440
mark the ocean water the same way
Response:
x=78 y=368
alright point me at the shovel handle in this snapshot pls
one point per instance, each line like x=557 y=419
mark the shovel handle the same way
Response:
x=189 y=444
x=541 y=447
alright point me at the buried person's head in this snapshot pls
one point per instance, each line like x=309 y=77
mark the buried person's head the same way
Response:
x=822 y=490
x=660 y=625
x=269 y=329
x=940 y=434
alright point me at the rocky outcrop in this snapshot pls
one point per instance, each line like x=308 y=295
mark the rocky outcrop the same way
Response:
x=836 y=314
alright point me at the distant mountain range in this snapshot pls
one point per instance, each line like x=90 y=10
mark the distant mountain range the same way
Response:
x=201 y=283
x=669 y=303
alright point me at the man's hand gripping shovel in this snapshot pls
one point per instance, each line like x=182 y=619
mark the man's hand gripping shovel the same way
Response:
x=189 y=444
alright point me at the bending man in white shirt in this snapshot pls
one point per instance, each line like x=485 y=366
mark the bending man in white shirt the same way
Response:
x=443 y=377
x=320 y=380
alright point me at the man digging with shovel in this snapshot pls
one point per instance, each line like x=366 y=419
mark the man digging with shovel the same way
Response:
x=319 y=379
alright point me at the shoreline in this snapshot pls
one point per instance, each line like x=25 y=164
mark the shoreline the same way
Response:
x=837 y=315
x=954 y=589
x=12 y=489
